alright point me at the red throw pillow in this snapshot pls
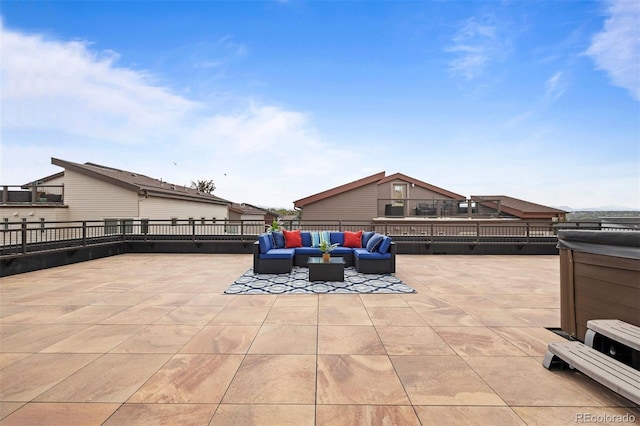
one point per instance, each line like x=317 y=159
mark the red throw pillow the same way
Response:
x=353 y=239
x=292 y=238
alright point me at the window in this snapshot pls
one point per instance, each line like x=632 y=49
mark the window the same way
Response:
x=399 y=194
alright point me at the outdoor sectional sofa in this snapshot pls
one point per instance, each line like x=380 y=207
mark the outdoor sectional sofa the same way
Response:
x=278 y=252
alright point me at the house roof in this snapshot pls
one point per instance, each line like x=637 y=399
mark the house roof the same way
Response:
x=516 y=207
x=243 y=208
x=416 y=182
x=138 y=182
x=338 y=190
x=379 y=179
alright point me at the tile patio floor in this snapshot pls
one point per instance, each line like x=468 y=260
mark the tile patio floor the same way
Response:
x=151 y=339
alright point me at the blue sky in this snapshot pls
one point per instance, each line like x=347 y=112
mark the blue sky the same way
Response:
x=278 y=100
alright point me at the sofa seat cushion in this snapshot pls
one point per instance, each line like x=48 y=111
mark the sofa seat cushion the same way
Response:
x=362 y=253
x=341 y=250
x=278 y=254
x=308 y=250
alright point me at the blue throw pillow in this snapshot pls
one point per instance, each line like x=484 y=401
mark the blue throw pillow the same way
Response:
x=306 y=238
x=265 y=243
x=374 y=242
x=384 y=245
x=366 y=236
x=278 y=239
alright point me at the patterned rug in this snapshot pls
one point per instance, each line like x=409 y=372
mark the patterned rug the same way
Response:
x=298 y=282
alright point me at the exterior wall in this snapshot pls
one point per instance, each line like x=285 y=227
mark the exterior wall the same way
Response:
x=33 y=213
x=93 y=199
x=167 y=208
x=385 y=191
x=357 y=204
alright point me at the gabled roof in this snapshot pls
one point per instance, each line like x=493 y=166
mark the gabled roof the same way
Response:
x=433 y=188
x=338 y=190
x=244 y=208
x=519 y=208
x=379 y=179
x=138 y=182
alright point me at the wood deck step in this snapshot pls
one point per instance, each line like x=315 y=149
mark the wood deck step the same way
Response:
x=620 y=331
x=611 y=373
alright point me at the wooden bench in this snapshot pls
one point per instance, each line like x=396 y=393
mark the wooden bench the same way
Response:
x=613 y=374
x=620 y=331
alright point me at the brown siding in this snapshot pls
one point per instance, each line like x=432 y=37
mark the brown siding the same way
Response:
x=604 y=287
x=357 y=204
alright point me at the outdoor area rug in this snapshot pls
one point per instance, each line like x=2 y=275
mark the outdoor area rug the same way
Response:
x=298 y=282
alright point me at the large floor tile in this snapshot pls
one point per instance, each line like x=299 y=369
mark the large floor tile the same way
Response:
x=560 y=416
x=523 y=381
x=292 y=315
x=349 y=339
x=158 y=339
x=222 y=339
x=413 y=341
x=531 y=340
x=189 y=378
x=285 y=339
x=265 y=379
x=34 y=339
x=343 y=315
x=264 y=415
x=24 y=380
x=95 y=339
x=161 y=414
x=45 y=413
x=358 y=379
x=125 y=374
x=474 y=341
x=443 y=380
x=467 y=415
x=232 y=315
x=366 y=415
x=395 y=316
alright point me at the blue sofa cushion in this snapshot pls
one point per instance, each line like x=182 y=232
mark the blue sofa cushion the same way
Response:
x=265 y=243
x=336 y=238
x=366 y=236
x=384 y=246
x=374 y=242
x=306 y=238
x=278 y=239
x=341 y=250
x=366 y=254
x=308 y=250
x=282 y=253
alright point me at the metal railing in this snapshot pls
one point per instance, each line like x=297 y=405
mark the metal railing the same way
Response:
x=32 y=194
x=414 y=207
x=24 y=237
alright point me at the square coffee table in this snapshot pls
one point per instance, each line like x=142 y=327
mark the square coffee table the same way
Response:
x=319 y=270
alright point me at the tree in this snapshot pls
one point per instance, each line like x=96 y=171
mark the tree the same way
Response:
x=206 y=186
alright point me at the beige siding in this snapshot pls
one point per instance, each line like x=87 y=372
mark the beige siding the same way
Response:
x=357 y=204
x=93 y=199
x=33 y=213
x=166 y=208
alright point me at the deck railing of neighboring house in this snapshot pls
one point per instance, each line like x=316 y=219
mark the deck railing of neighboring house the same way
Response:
x=24 y=237
x=32 y=194
x=415 y=207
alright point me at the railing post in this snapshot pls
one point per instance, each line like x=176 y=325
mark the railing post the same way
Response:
x=477 y=232
x=340 y=225
x=84 y=233
x=24 y=235
x=5 y=194
x=528 y=232
x=242 y=229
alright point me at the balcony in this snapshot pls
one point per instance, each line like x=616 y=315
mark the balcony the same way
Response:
x=438 y=208
x=30 y=195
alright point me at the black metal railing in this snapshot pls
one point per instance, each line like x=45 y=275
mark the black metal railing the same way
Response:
x=32 y=194
x=425 y=208
x=24 y=237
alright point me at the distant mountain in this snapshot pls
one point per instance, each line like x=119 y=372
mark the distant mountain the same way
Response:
x=598 y=209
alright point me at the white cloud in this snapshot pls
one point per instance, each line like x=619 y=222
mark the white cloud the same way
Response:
x=616 y=49
x=555 y=87
x=63 y=99
x=477 y=43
